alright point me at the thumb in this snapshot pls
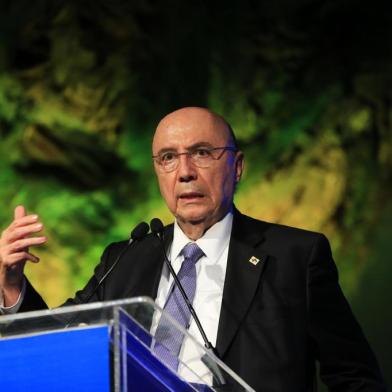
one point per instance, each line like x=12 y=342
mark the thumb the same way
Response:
x=19 y=212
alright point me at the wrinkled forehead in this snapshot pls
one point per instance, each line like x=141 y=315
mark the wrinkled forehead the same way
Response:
x=183 y=130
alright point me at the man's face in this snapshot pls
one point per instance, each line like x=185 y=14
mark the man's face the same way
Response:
x=197 y=195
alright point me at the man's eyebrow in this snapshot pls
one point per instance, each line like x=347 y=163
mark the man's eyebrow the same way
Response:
x=191 y=147
x=166 y=149
x=200 y=144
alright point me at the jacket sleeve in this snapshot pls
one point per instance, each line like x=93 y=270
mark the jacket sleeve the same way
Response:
x=33 y=301
x=347 y=362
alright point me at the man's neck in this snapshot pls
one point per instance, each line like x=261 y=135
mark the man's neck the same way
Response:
x=193 y=232
x=196 y=230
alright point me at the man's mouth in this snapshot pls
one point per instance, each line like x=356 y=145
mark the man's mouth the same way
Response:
x=190 y=195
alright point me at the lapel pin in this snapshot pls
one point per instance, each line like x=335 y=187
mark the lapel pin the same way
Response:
x=254 y=260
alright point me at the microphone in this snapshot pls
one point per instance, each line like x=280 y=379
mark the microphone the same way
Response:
x=156 y=226
x=137 y=234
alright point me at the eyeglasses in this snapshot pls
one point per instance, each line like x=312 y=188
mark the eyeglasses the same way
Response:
x=200 y=156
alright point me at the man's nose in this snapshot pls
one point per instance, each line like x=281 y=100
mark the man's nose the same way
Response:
x=186 y=168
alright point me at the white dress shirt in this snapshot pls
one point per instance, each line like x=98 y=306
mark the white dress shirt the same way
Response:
x=210 y=278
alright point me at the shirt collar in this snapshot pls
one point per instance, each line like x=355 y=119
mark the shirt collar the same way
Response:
x=212 y=243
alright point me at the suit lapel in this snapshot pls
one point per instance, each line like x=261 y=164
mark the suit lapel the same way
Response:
x=245 y=264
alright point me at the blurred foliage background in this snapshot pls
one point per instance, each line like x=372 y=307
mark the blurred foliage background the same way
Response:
x=306 y=86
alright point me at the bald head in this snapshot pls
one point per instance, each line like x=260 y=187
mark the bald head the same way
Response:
x=193 y=118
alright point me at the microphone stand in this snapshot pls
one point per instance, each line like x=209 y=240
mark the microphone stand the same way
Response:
x=137 y=233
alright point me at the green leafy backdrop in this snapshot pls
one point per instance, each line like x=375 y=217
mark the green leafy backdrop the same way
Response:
x=306 y=85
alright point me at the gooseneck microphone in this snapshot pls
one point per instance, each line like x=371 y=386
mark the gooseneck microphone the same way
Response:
x=137 y=234
x=156 y=226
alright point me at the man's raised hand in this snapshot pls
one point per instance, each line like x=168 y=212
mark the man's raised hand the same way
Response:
x=15 y=241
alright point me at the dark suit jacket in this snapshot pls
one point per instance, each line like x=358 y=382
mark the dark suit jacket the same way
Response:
x=278 y=317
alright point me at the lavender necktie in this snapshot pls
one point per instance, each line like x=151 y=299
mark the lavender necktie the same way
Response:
x=168 y=342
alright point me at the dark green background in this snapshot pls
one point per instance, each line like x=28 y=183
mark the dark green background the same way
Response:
x=305 y=84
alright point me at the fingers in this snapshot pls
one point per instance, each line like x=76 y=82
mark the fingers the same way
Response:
x=25 y=243
x=19 y=212
x=16 y=239
x=22 y=226
x=14 y=234
x=16 y=258
x=25 y=220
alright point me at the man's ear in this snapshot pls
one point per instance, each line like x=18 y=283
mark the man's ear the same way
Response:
x=239 y=165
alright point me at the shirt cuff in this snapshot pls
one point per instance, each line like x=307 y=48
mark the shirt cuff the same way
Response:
x=15 y=307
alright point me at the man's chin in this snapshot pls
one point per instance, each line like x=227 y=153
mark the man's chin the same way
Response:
x=193 y=216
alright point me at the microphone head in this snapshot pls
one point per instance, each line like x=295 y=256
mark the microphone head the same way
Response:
x=156 y=226
x=139 y=231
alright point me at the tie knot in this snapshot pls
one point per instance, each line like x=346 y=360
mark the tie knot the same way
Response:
x=192 y=252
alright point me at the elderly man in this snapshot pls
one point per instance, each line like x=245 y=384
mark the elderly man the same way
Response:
x=267 y=295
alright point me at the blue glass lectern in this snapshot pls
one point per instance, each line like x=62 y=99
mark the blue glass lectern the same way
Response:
x=106 y=346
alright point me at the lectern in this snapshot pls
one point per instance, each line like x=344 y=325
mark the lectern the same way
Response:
x=104 y=346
